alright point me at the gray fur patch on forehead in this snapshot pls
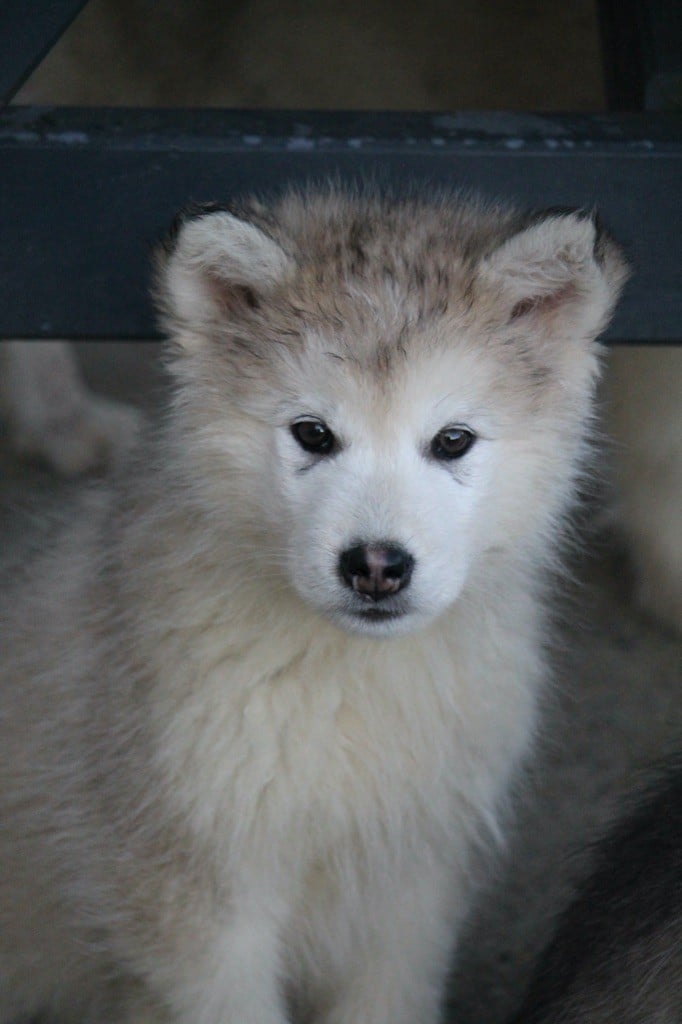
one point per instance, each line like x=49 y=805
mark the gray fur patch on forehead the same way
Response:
x=366 y=230
x=365 y=248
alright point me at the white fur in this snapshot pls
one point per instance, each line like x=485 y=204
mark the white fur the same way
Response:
x=52 y=416
x=643 y=418
x=216 y=250
x=229 y=798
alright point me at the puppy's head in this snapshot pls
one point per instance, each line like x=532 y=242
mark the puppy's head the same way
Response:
x=382 y=398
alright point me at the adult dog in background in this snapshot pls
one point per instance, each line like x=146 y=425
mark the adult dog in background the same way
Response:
x=617 y=953
x=263 y=698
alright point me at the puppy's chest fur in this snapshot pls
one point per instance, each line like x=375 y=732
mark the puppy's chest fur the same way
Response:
x=298 y=741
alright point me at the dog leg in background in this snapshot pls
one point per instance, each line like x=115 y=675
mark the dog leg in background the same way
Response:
x=644 y=420
x=51 y=414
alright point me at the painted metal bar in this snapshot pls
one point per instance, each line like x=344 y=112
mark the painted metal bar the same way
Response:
x=85 y=194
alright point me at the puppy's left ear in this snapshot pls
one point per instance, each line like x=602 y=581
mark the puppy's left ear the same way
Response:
x=559 y=275
x=214 y=267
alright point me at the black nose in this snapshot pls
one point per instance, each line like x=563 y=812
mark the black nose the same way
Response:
x=376 y=571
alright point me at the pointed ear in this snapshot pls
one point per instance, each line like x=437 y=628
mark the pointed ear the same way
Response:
x=561 y=275
x=214 y=266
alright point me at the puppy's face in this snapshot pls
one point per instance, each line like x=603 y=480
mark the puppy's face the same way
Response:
x=375 y=435
x=380 y=480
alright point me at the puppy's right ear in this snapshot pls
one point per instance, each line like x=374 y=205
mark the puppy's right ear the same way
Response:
x=214 y=266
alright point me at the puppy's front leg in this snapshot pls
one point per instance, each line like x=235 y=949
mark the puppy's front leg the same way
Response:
x=232 y=978
x=400 y=977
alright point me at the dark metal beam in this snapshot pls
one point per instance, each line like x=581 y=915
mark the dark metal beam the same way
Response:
x=28 y=31
x=84 y=194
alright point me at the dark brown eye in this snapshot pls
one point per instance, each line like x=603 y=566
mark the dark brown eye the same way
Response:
x=314 y=436
x=452 y=443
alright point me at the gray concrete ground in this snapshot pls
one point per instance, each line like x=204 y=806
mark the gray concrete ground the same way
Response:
x=613 y=709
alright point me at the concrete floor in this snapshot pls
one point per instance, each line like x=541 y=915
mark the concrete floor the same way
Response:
x=615 y=705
